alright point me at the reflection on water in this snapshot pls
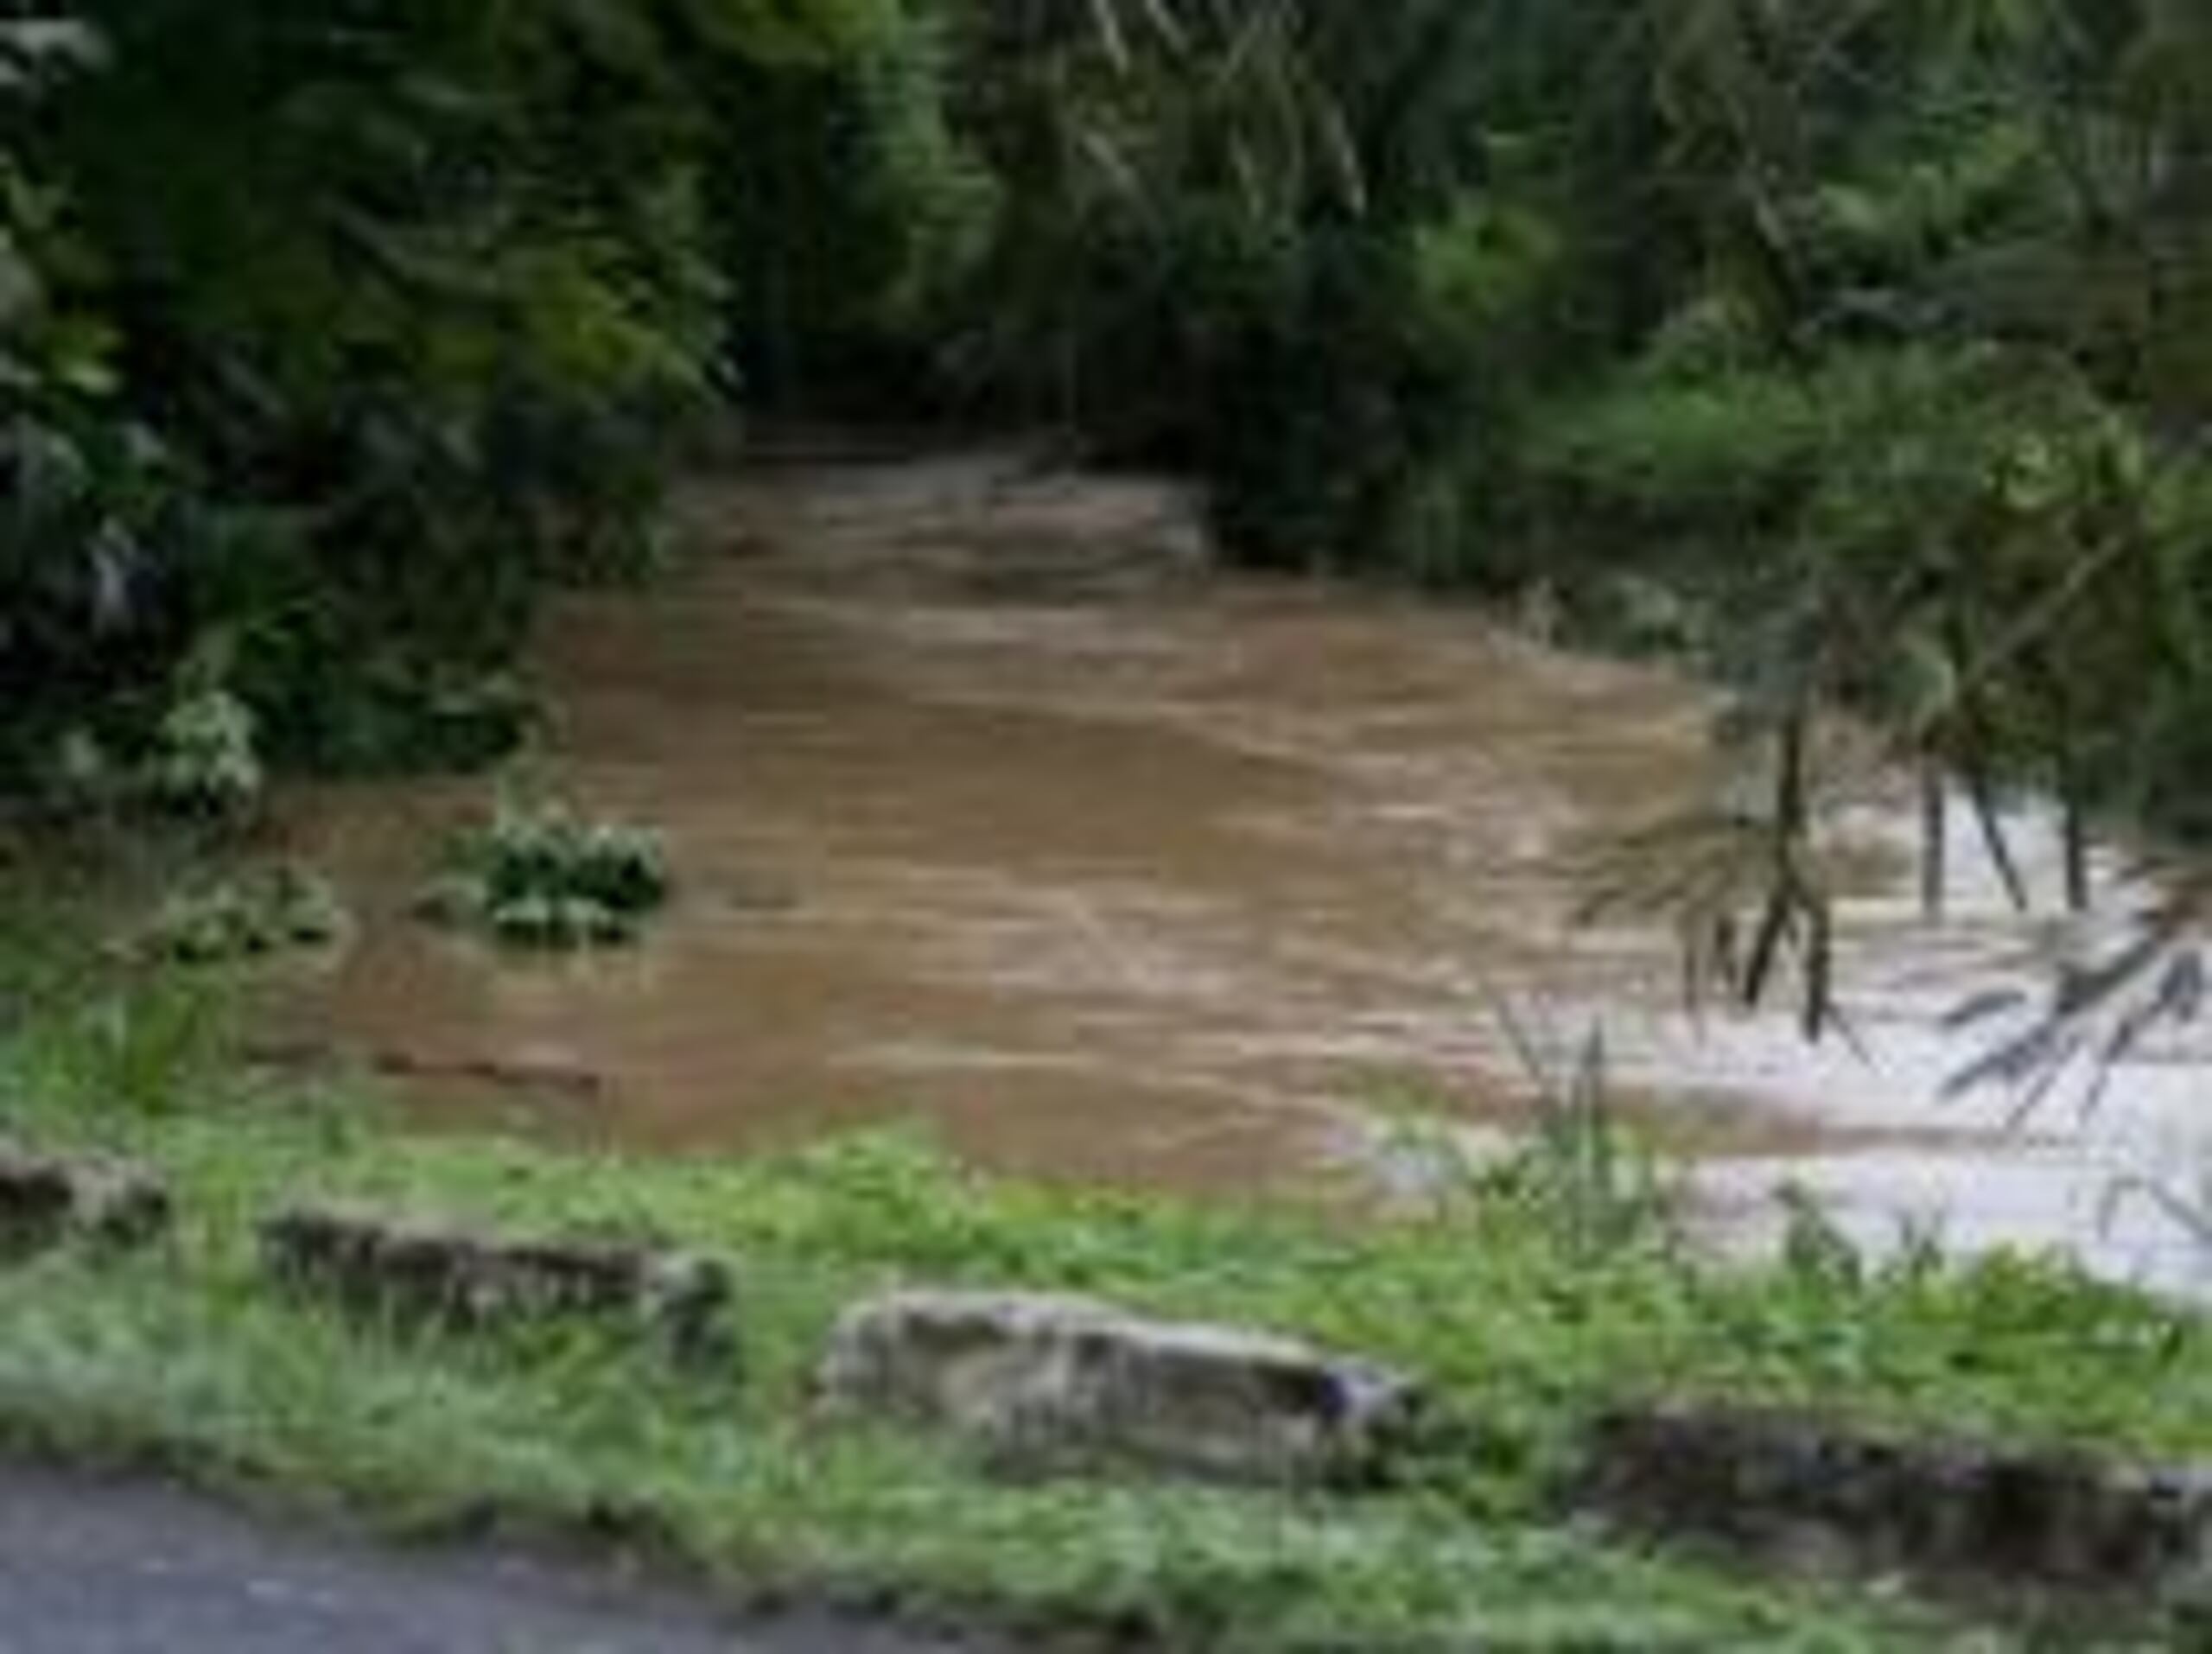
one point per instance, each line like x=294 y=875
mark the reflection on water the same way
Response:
x=994 y=807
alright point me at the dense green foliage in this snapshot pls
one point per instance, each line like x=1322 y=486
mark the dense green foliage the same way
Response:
x=539 y=876
x=1865 y=347
x=330 y=333
x=255 y=914
x=1882 y=333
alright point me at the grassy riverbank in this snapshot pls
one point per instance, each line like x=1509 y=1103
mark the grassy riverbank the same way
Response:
x=186 y=1357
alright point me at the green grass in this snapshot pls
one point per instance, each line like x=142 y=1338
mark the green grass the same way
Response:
x=186 y=1357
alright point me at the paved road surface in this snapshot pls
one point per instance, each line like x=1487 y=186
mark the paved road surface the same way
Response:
x=99 y=1567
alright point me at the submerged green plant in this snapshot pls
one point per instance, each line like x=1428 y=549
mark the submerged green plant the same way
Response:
x=246 y=917
x=542 y=876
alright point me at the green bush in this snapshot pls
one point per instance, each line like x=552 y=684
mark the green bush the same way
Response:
x=244 y=918
x=1710 y=317
x=328 y=337
x=540 y=876
x=335 y=333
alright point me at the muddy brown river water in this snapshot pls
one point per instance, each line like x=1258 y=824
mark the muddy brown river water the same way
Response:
x=994 y=807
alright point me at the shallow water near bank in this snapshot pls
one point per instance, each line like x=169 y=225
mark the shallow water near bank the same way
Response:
x=994 y=805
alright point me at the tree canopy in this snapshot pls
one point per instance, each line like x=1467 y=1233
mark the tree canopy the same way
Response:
x=1862 y=349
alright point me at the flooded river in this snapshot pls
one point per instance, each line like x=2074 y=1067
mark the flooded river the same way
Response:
x=994 y=807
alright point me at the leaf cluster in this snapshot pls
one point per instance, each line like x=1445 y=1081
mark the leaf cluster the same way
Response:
x=540 y=876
